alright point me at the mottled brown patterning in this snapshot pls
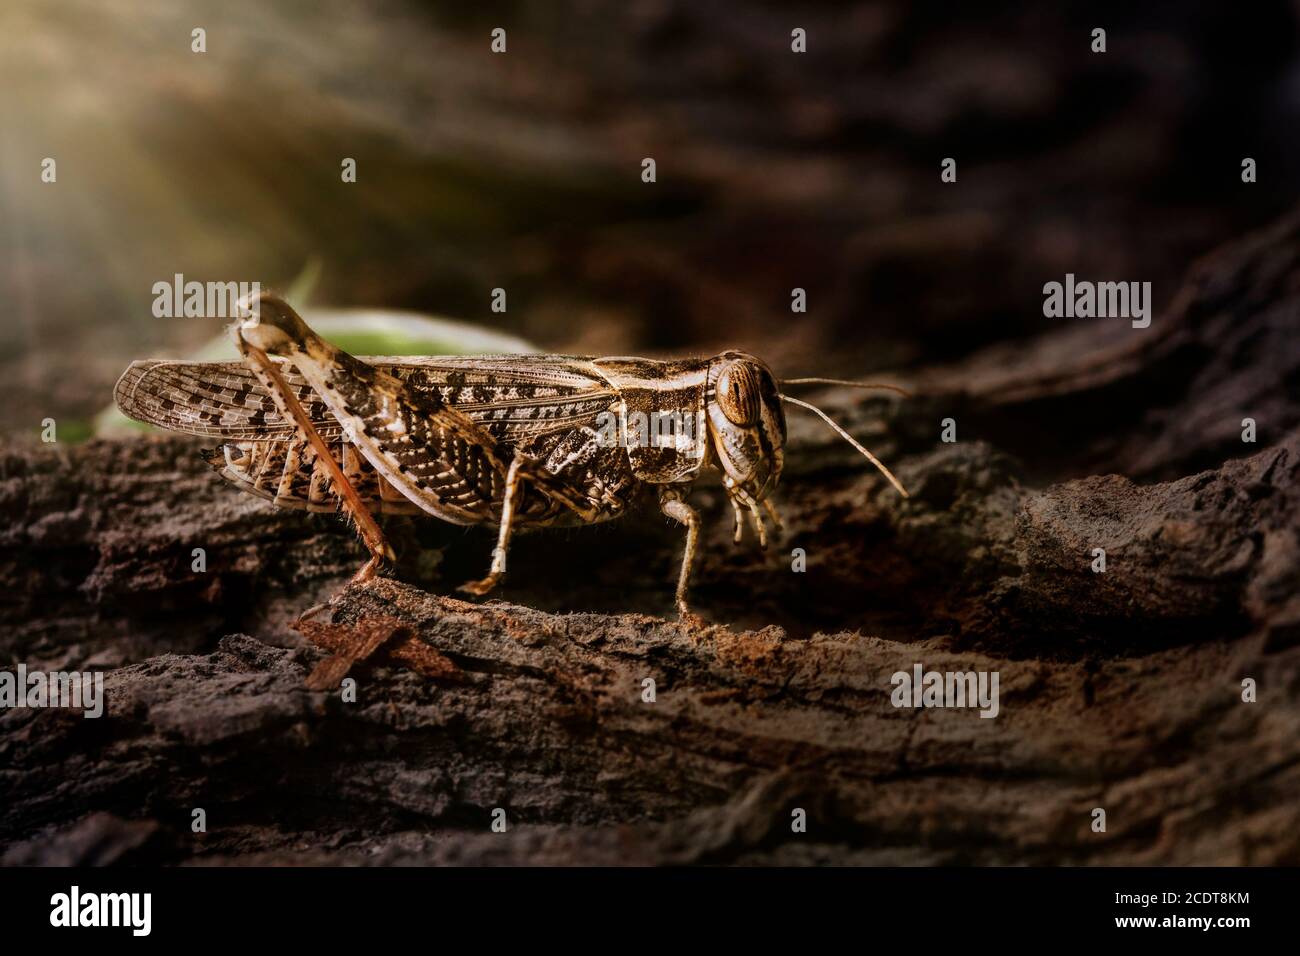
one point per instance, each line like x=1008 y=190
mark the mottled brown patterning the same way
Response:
x=513 y=440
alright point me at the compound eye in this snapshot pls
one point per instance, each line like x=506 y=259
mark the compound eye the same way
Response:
x=737 y=392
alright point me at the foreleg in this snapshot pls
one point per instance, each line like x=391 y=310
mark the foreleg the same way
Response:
x=672 y=504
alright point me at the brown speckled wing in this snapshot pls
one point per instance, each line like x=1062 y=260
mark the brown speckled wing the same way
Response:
x=514 y=397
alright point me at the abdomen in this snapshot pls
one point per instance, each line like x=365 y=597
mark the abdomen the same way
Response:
x=288 y=474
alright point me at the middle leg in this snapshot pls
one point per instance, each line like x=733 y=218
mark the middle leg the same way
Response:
x=508 y=504
x=525 y=468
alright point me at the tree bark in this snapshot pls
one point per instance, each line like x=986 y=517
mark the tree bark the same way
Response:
x=1120 y=690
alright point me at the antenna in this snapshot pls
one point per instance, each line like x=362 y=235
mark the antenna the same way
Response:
x=851 y=440
x=847 y=384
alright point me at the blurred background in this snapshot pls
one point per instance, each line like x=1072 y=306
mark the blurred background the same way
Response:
x=522 y=171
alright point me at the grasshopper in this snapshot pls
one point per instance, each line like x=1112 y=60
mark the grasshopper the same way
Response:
x=513 y=440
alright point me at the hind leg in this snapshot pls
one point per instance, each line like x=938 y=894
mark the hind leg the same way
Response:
x=285 y=400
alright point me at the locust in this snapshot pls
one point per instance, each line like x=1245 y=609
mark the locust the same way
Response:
x=515 y=441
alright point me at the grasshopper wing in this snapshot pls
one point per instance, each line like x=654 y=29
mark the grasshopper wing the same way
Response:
x=514 y=396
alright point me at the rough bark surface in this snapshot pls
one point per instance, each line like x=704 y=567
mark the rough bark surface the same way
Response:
x=1120 y=690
